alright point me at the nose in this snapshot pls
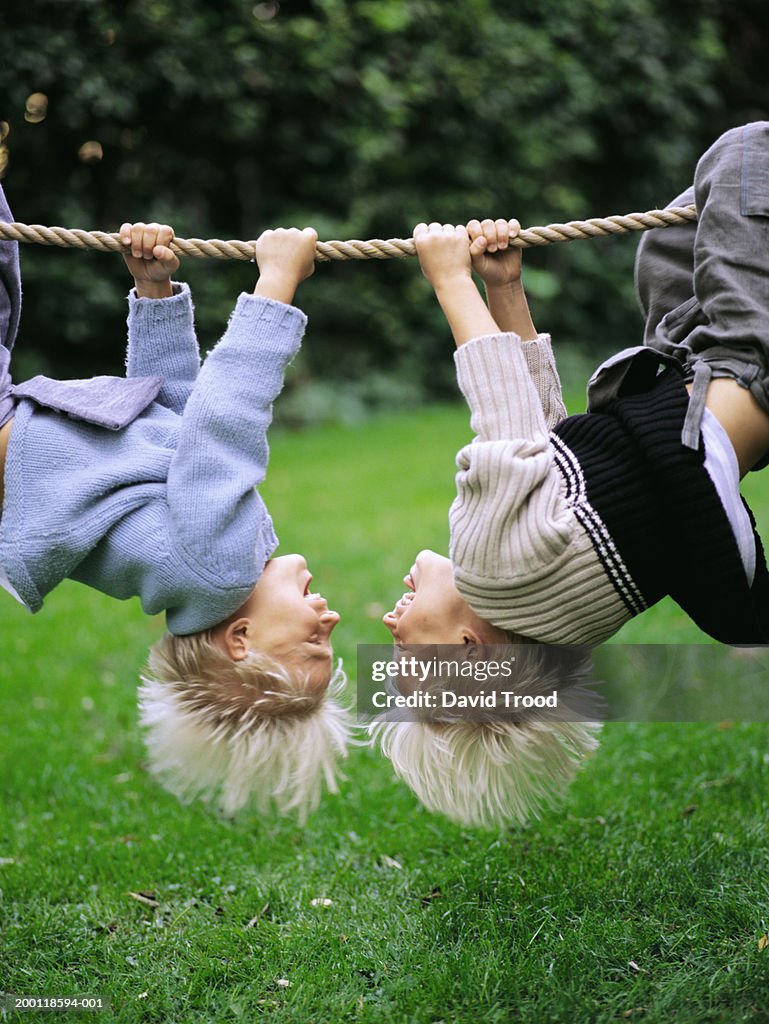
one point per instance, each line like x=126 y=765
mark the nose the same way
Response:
x=295 y=563
x=422 y=560
x=390 y=620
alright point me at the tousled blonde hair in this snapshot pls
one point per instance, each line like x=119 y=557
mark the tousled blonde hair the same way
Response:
x=234 y=732
x=498 y=771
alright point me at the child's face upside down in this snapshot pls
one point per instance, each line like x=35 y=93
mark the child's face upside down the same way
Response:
x=433 y=611
x=284 y=619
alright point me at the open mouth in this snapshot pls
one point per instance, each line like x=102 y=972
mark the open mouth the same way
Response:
x=311 y=595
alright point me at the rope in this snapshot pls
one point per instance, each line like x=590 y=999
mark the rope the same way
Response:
x=373 y=249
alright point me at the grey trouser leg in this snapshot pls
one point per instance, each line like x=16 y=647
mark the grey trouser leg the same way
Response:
x=10 y=308
x=705 y=287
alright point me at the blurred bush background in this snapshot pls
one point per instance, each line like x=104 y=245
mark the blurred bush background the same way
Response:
x=359 y=117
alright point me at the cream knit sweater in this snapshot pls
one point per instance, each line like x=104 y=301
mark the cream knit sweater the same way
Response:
x=521 y=557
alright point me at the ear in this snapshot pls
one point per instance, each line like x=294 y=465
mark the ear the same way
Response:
x=471 y=637
x=236 y=639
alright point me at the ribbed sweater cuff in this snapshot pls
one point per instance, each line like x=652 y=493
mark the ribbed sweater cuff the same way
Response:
x=178 y=304
x=494 y=377
x=540 y=360
x=155 y=328
x=539 y=355
x=272 y=326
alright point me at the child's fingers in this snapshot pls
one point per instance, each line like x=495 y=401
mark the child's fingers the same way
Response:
x=125 y=235
x=498 y=233
x=149 y=240
x=311 y=233
x=137 y=239
x=423 y=231
x=474 y=229
x=489 y=228
x=438 y=233
x=165 y=235
x=478 y=246
x=164 y=255
x=503 y=233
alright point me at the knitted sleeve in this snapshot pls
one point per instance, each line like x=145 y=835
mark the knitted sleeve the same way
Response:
x=540 y=362
x=220 y=523
x=509 y=521
x=162 y=343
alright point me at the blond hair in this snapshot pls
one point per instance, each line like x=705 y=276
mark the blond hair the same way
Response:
x=235 y=732
x=497 y=771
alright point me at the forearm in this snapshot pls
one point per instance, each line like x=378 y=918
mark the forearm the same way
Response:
x=222 y=450
x=510 y=309
x=276 y=285
x=464 y=309
x=153 y=289
x=162 y=342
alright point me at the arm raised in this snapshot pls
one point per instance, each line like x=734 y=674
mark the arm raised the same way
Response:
x=161 y=329
x=444 y=255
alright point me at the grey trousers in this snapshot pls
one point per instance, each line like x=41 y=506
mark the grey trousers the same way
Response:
x=704 y=287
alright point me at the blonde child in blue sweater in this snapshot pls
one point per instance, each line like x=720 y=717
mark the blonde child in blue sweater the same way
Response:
x=147 y=486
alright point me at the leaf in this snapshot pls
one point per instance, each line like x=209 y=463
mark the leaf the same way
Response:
x=321 y=901
x=257 y=917
x=390 y=862
x=435 y=894
x=763 y=942
x=147 y=898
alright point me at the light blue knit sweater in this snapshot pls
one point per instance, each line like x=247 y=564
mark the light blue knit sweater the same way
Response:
x=166 y=507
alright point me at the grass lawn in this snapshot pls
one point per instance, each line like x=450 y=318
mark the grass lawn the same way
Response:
x=643 y=897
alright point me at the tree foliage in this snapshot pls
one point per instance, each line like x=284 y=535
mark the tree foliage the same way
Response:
x=360 y=117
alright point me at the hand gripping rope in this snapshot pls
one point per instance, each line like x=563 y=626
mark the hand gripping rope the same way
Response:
x=373 y=249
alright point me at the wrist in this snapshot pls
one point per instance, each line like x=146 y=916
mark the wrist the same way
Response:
x=445 y=284
x=277 y=285
x=153 y=289
x=514 y=287
x=510 y=308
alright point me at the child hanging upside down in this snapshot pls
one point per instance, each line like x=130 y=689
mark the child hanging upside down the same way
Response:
x=146 y=486
x=564 y=527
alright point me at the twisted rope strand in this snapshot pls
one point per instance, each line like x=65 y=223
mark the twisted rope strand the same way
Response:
x=373 y=249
